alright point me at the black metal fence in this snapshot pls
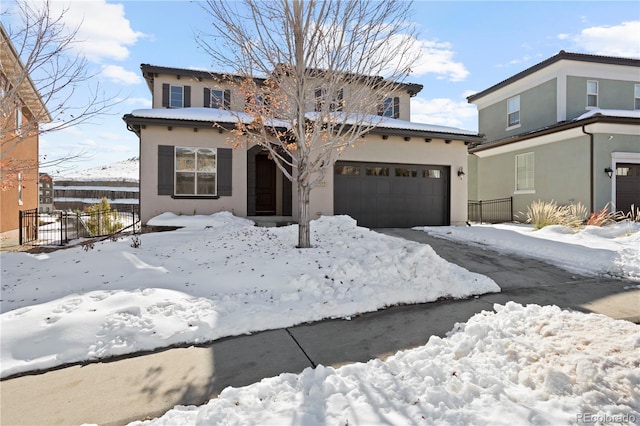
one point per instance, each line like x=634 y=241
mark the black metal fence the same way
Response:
x=491 y=211
x=46 y=229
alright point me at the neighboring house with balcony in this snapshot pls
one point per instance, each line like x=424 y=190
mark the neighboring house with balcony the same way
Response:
x=401 y=174
x=566 y=129
x=22 y=111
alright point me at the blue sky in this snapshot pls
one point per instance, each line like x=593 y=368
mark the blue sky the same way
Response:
x=467 y=46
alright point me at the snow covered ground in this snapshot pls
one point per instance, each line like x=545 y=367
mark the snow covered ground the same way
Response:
x=219 y=276
x=610 y=250
x=517 y=366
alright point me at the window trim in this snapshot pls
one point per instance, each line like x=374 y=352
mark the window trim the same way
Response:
x=528 y=187
x=194 y=195
x=636 y=97
x=20 y=189
x=517 y=124
x=596 y=94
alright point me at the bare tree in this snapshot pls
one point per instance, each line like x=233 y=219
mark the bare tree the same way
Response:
x=49 y=69
x=314 y=73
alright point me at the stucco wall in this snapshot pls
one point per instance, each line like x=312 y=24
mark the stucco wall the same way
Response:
x=612 y=94
x=152 y=204
x=561 y=174
x=397 y=150
x=537 y=109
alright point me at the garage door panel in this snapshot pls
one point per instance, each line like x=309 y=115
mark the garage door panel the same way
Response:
x=393 y=195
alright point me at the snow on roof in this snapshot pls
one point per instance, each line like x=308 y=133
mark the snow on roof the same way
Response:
x=224 y=116
x=610 y=113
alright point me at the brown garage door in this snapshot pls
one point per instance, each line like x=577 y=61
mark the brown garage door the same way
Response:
x=627 y=186
x=385 y=195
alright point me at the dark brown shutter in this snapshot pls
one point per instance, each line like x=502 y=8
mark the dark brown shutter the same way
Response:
x=340 y=105
x=396 y=107
x=319 y=99
x=187 y=96
x=165 y=169
x=227 y=99
x=165 y=95
x=207 y=97
x=224 y=172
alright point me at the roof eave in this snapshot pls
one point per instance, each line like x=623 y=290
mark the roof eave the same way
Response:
x=555 y=129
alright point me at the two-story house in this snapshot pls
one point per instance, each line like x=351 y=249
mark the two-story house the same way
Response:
x=22 y=110
x=566 y=129
x=401 y=174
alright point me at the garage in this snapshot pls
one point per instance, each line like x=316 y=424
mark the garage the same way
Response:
x=385 y=195
x=627 y=186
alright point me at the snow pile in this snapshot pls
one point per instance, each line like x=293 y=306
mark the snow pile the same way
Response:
x=218 y=276
x=610 y=250
x=520 y=365
x=126 y=170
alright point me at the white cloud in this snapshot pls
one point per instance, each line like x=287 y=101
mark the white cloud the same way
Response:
x=118 y=74
x=146 y=102
x=444 y=112
x=437 y=58
x=104 y=32
x=616 y=40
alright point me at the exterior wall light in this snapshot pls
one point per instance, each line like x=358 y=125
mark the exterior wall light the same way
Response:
x=609 y=172
x=460 y=172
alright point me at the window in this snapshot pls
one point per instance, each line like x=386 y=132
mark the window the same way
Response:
x=195 y=172
x=524 y=172
x=218 y=99
x=592 y=94
x=322 y=95
x=513 y=111
x=20 y=202
x=402 y=172
x=636 y=96
x=390 y=107
x=431 y=174
x=377 y=171
x=175 y=99
x=18 y=115
x=348 y=170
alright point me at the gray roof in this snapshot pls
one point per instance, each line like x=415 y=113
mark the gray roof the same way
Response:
x=562 y=55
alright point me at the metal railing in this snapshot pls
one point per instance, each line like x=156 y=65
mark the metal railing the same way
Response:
x=58 y=228
x=491 y=211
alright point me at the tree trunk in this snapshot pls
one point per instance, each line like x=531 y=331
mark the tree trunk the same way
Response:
x=304 y=234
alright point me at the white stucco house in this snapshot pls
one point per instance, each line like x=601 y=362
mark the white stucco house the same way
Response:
x=402 y=174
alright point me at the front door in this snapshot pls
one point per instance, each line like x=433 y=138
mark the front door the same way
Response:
x=265 y=185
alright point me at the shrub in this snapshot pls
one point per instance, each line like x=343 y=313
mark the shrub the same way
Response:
x=541 y=214
x=544 y=213
x=601 y=218
x=103 y=220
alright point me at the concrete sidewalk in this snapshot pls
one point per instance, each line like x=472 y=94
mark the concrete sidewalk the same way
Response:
x=146 y=386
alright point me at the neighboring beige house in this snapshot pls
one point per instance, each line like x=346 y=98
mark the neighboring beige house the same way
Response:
x=45 y=188
x=566 y=129
x=402 y=174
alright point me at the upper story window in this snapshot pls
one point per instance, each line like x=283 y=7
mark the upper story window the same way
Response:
x=390 y=107
x=513 y=111
x=322 y=97
x=592 y=94
x=636 y=96
x=176 y=96
x=195 y=172
x=217 y=98
x=525 y=172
